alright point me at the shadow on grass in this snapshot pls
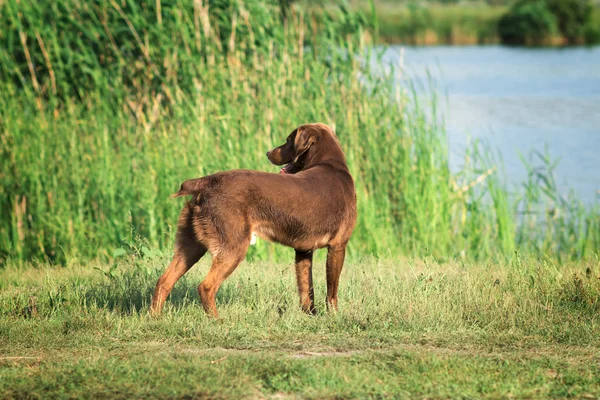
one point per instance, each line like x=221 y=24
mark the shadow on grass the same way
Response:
x=130 y=292
x=127 y=289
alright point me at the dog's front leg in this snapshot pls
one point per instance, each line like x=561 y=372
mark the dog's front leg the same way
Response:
x=305 y=281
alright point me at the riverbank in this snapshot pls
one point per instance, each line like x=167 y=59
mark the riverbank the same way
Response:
x=445 y=24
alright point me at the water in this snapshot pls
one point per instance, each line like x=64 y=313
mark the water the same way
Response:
x=518 y=100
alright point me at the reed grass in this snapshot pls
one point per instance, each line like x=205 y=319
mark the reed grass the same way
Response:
x=102 y=119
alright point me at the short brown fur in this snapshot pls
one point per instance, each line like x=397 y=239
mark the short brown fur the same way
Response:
x=311 y=204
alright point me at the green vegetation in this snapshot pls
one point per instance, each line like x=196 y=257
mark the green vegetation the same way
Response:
x=572 y=16
x=422 y=329
x=526 y=22
x=424 y=24
x=94 y=139
x=592 y=30
x=537 y=22
x=529 y=23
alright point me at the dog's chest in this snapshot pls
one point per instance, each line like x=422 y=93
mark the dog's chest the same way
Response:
x=302 y=240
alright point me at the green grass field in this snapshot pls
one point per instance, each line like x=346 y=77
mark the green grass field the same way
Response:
x=405 y=328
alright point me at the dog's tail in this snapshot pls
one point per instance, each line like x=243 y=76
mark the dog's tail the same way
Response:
x=191 y=187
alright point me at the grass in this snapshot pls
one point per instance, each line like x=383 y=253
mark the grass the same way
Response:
x=405 y=328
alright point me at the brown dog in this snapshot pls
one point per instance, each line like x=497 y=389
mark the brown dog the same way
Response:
x=309 y=205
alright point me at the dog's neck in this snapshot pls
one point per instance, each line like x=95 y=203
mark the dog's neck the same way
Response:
x=327 y=152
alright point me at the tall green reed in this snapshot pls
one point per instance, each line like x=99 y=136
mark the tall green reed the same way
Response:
x=102 y=117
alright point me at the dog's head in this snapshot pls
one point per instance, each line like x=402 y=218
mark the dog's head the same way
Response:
x=301 y=147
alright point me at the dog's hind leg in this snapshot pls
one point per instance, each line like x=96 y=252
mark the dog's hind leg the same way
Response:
x=335 y=262
x=305 y=281
x=223 y=265
x=188 y=250
x=183 y=260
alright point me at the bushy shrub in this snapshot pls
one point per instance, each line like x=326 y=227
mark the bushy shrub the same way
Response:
x=591 y=34
x=532 y=22
x=572 y=17
x=529 y=22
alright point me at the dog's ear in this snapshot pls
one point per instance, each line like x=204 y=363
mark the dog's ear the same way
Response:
x=305 y=138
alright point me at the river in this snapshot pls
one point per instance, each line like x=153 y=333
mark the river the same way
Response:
x=517 y=100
